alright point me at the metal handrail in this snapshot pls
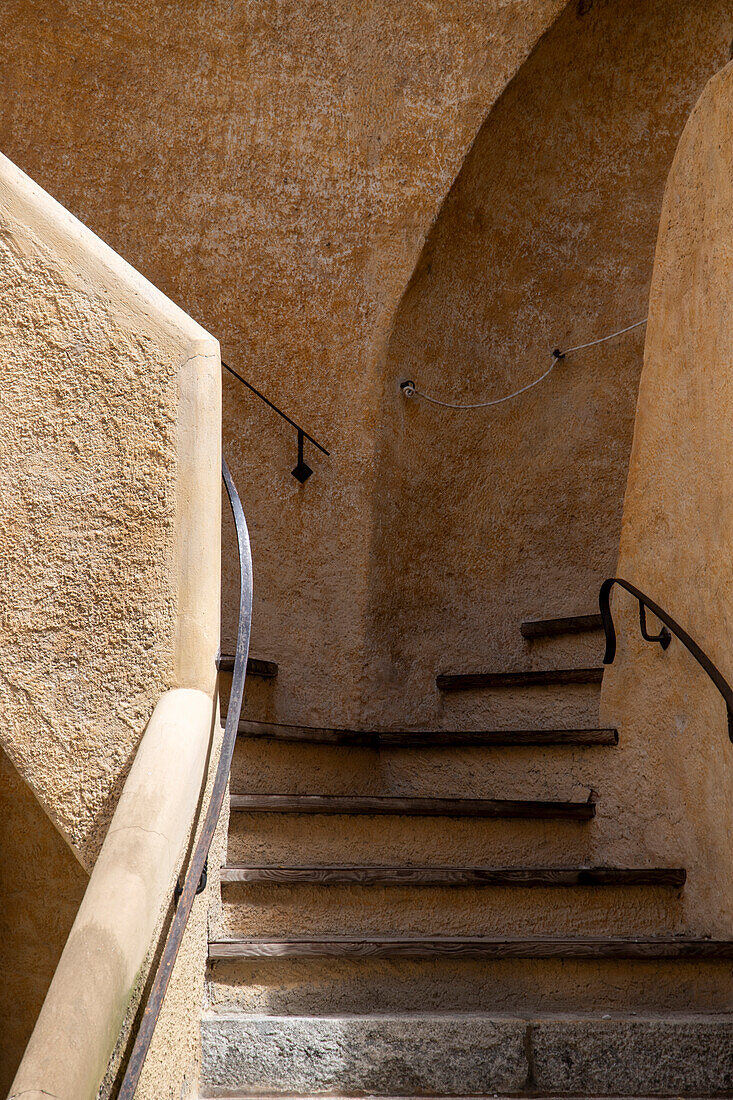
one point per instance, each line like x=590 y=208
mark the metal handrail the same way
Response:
x=302 y=470
x=664 y=637
x=196 y=871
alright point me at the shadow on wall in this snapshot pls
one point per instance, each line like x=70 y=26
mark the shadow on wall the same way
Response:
x=546 y=239
x=41 y=887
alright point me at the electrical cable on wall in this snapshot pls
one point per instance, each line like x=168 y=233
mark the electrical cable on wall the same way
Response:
x=409 y=388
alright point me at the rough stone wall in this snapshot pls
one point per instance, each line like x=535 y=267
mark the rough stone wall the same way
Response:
x=677 y=521
x=326 y=135
x=489 y=517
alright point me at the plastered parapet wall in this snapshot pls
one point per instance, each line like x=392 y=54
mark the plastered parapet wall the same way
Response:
x=110 y=506
x=677 y=527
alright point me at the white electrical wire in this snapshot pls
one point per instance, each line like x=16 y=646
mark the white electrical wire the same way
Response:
x=592 y=344
x=409 y=389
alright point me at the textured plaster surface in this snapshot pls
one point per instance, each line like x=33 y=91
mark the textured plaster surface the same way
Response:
x=92 y=360
x=41 y=885
x=482 y=519
x=326 y=137
x=109 y=529
x=315 y=986
x=426 y=911
x=678 y=523
x=129 y=888
x=455 y=1055
x=488 y=517
x=279 y=187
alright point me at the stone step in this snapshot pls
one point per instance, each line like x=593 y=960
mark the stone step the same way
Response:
x=467 y=681
x=239 y=1094
x=413 y=739
x=483 y=947
x=454 y=876
x=414 y=807
x=467 y=1055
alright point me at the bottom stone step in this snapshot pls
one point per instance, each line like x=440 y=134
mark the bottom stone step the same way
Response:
x=467 y=1055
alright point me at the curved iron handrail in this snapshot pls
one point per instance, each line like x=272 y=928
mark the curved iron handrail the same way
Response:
x=664 y=637
x=196 y=871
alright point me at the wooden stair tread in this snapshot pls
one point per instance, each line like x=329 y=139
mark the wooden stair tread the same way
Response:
x=420 y=807
x=462 y=681
x=567 y=624
x=266 y=670
x=425 y=738
x=456 y=876
x=485 y=947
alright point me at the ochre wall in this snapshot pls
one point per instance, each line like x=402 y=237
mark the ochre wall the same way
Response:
x=94 y=363
x=274 y=168
x=677 y=526
x=41 y=885
x=276 y=178
x=488 y=517
x=109 y=533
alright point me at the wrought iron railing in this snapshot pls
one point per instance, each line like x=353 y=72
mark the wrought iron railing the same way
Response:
x=663 y=638
x=301 y=471
x=195 y=877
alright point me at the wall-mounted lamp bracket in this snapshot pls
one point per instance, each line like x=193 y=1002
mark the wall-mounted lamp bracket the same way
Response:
x=302 y=471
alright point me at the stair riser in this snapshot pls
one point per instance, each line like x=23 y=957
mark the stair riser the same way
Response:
x=279 y=838
x=323 y=986
x=566 y=705
x=556 y=773
x=260 y=909
x=260 y=695
x=562 y=651
x=505 y=1056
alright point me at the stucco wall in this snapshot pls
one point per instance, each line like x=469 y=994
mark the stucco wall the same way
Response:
x=95 y=370
x=325 y=135
x=279 y=182
x=109 y=536
x=488 y=517
x=41 y=885
x=678 y=524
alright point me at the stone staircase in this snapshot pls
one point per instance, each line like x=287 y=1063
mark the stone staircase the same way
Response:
x=425 y=912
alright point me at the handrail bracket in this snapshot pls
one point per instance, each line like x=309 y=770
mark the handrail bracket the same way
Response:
x=664 y=637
